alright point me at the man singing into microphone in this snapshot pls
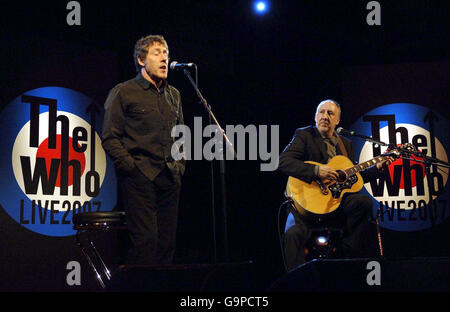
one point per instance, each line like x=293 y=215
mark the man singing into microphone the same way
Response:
x=320 y=143
x=139 y=116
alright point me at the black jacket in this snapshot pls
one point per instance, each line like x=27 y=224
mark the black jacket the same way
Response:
x=308 y=145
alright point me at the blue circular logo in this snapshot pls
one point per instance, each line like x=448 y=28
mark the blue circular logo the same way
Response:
x=412 y=195
x=53 y=164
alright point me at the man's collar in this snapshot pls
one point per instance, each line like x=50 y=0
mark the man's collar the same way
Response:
x=145 y=84
x=333 y=139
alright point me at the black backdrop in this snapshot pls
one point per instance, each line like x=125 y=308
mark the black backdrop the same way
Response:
x=262 y=70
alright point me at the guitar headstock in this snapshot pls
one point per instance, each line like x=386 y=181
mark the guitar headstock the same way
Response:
x=405 y=148
x=408 y=147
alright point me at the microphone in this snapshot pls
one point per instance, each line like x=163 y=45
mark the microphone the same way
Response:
x=175 y=65
x=340 y=130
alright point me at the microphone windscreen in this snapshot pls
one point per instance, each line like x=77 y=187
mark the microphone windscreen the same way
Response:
x=173 y=64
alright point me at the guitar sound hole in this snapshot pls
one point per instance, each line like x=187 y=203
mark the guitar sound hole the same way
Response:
x=342 y=176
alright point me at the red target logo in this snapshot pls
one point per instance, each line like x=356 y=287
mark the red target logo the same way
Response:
x=48 y=154
x=60 y=171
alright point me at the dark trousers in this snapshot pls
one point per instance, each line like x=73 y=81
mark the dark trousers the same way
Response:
x=151 y=212
x=354 y=209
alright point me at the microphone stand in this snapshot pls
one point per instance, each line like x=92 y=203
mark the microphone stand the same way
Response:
x=373 y=141
x=222 y=171
x=379 y=212
x=213 y=200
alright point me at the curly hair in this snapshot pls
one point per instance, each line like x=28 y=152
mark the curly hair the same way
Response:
x=142 y=45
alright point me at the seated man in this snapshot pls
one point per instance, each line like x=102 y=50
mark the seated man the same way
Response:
x=320 y=143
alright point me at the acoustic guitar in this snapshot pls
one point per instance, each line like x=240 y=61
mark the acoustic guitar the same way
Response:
x=322 y=197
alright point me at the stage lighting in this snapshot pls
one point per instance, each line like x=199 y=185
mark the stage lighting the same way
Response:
x=261 y=7
x=321 y=240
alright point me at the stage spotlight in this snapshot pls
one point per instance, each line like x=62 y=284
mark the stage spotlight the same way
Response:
x=321 y=240
x=261 y=7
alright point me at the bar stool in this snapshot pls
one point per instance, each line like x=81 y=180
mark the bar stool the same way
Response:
x=87 y=224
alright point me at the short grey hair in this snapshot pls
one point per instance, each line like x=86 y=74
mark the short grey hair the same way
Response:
x=334 y=102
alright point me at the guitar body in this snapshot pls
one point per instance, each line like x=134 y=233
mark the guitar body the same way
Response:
x=310 y=198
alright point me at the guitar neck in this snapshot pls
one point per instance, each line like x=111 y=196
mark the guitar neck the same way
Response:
x=364 y=165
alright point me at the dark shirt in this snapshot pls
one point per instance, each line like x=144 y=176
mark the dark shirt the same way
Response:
x=331 y=148
x=331 y=144
x=137 y=126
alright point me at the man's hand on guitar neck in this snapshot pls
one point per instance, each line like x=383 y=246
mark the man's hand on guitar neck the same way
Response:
x=326 y=172
x=385 y=162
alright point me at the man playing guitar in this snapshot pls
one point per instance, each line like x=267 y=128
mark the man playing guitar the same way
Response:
x=307 y=159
